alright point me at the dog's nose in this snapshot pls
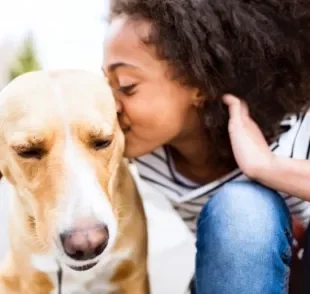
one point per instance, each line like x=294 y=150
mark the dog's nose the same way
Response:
x=86 y=241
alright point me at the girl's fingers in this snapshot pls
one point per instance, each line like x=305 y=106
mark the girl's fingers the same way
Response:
x=234 y=106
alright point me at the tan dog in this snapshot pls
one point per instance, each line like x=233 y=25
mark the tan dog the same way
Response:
x=77 y=224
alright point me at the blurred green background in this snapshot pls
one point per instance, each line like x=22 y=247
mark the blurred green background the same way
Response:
x=26 y=60
x=50 y=34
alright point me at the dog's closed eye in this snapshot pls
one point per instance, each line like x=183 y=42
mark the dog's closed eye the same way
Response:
x=98 y=144
x=32 y=153
x=27 y=152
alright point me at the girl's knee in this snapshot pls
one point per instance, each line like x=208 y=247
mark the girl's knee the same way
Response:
x=244 y=213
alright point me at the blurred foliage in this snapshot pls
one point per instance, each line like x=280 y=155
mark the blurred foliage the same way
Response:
x=26 y=60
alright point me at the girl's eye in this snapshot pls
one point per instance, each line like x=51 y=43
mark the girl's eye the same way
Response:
x=128 y=90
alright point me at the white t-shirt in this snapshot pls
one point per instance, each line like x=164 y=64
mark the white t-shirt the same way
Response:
x=188 y=198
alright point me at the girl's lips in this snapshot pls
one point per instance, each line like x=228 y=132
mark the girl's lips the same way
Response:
x=124 y=126
x=125 y=129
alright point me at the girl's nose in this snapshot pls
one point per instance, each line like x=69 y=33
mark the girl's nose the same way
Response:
x=119 y=107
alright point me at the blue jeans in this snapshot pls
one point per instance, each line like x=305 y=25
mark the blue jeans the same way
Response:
x=243 y=242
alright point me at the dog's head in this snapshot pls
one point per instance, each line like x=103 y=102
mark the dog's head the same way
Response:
x=61 y=146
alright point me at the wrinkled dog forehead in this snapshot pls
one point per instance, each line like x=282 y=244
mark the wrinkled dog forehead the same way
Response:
x=46 y=97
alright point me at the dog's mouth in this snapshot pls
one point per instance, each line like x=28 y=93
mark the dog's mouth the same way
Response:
x=83 y=267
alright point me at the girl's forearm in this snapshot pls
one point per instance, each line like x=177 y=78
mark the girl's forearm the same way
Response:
x=291 y=176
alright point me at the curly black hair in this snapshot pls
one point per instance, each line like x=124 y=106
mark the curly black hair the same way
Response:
x=258 y=50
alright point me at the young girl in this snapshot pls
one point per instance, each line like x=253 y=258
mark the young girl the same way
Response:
x=239 y=167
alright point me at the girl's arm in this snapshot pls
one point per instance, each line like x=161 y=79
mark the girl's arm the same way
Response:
x=287 y=175
x=256 y=160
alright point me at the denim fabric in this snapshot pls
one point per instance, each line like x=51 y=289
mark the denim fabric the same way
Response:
x=243 y=242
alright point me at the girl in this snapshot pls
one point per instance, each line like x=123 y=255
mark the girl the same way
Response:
x=174 y=66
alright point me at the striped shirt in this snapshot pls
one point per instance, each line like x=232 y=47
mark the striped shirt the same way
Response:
x=188 y=198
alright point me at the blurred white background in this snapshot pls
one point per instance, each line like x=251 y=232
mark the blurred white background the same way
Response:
x=67 y=33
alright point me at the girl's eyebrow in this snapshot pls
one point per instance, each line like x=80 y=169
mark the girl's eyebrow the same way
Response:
x=114 y=66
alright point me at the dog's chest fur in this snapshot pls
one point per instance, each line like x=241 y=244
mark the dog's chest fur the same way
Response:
x=89 y=282
x=94 y=281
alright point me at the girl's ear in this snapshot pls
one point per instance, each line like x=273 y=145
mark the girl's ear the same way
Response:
x=198 y=98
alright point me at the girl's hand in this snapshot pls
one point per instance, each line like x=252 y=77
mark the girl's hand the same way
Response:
x=249 y=146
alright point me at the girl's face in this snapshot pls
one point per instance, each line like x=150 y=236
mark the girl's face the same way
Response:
x=154 y=110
